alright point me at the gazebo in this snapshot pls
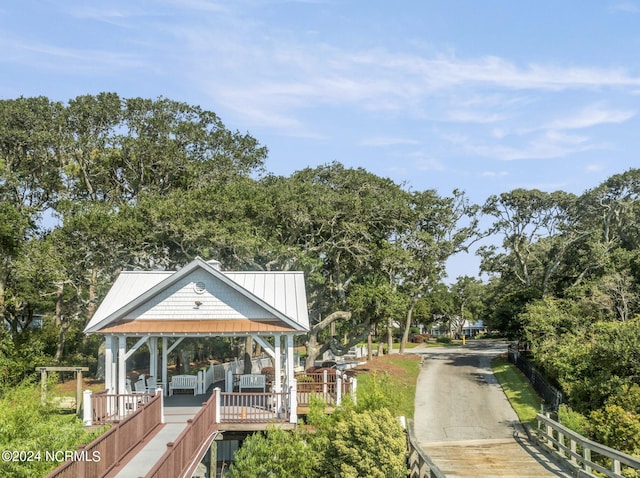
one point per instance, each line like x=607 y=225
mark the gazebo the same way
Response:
x=162 y=308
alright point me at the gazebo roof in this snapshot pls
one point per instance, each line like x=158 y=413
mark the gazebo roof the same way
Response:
x=201 y=299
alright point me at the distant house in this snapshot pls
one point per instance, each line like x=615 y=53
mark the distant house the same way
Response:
x=469 y=329
x=34 y=322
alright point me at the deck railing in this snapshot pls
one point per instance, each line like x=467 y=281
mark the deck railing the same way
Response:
x=105 y=452
x=105 y=407
x=330 y=386
x=418 y=462
x=581 y=453
x=254 y=407
x=184 y=454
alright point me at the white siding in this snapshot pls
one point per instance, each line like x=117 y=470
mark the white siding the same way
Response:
x=218 y=301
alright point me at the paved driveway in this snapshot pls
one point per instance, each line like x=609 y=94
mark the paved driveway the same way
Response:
x=465 y=422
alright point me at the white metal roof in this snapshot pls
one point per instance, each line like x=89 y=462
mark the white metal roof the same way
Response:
x=139 y=295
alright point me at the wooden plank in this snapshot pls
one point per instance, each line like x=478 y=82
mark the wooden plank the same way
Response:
x=62 y=369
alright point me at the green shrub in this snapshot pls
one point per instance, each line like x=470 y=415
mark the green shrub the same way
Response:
x=443 y=340
x=376 y=391
x=573 y=420
x=276 y=453
x=26 y=424
x=371 y=444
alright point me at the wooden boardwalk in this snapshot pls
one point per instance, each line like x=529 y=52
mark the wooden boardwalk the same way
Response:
x=177 y=410
x=505 y=458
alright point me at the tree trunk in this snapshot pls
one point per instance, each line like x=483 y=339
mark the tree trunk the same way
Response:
x=91 y=306
x=62 y=327
x=389 y=335
x=407 y=324
x=369 y=347
x=248 y=347
x=314 y=349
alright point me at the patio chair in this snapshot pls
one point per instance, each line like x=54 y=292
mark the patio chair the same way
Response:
x=140 y=386
x=152 y=384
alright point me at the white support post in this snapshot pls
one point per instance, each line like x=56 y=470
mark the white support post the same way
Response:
x=277 y=365
x=161 y=393
x=325 y=384
x=122 y=364
x=289 y=371
x=338 y=387
x=87 y=418
x=228 y=380
x=354 y=386
x=109 y=381
x=153 y=357
x=293 y=401
x=199 y=383
x=218 y=395
x=165 y=385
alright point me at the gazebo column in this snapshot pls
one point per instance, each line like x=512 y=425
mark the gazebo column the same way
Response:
x=277 y=364
x=165 y=353
x=153 y=357
x=109 y=364
x=122 y=364
x=289 y=351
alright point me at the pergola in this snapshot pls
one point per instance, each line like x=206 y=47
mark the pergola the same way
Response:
x=162 y=308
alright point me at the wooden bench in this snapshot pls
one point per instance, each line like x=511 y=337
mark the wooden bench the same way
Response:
x=250 y=381
x=183 y=382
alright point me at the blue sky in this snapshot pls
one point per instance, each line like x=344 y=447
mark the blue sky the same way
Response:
x=481 y=96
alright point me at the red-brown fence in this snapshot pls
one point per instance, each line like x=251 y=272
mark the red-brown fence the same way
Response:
x=184 y=454
x=100 y=456
x=322 y=384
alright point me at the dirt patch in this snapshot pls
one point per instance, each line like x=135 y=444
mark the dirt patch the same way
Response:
x=389 y=364
x=69 y=385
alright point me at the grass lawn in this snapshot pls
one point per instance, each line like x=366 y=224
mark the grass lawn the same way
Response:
x=523 y=398
x=396 y=375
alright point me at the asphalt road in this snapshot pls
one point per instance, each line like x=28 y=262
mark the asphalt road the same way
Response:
x=465 y=422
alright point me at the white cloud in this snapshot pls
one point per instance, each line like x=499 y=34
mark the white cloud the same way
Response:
x=475 y=117
x=288 y=74
x=69 y=60
x=628 y=7
x=494 y=174
x=428 y=164
x=592 y=115
x=387 y=141
x=594 y=168
x=549 y=145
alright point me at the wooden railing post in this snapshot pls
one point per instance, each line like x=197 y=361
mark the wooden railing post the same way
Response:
x=87 y=411
x=81 y=463
x=325 y=384
x=116 y=442
x=293 y=401
x=218 y=408
x=586 y=453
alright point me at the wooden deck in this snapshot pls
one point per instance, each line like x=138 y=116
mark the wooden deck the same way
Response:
x=247 y=412
x=182 y=428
